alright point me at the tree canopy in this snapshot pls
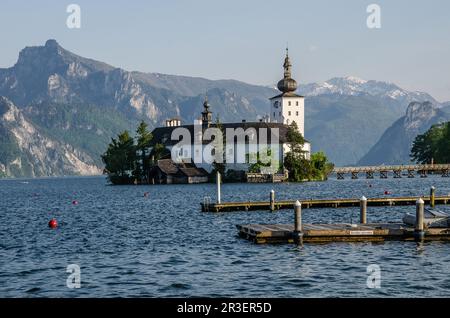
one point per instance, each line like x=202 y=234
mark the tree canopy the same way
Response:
x=432 y=146
x=299 y=166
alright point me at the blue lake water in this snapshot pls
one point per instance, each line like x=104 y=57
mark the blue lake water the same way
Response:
x=129 y=245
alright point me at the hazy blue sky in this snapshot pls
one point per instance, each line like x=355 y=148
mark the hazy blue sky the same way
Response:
x=245 y=39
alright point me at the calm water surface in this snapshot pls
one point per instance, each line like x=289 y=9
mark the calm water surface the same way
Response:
x=128 y=245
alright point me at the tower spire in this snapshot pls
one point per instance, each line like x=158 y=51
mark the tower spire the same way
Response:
x=206 y=114
x=287 y=84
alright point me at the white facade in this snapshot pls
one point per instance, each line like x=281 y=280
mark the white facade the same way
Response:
x=286 y=110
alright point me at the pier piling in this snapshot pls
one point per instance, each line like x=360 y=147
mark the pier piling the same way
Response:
x=218 y=180
x=419 y=232
x=363 y=211
x=433 y=197
x=298 y=225
x=272 y=200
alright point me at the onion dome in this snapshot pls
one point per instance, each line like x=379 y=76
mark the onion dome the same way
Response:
x=287 y=84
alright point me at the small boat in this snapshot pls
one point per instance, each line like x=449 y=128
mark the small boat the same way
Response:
x=433 y=218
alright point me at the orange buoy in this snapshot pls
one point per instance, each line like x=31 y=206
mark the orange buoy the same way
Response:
x=53 y=224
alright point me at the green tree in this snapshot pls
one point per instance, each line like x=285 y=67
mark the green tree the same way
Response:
x=159 y=152
x=120 y=159
x=432 y=145
x=320 y=165
x=143 y=139
x=295 y=162
x=219 y=151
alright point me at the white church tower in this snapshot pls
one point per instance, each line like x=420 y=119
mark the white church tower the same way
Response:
x=288 y=106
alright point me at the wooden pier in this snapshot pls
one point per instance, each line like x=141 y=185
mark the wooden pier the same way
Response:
x=317 y=204
x=419 y=229
x=323 y=233
x=409 y=171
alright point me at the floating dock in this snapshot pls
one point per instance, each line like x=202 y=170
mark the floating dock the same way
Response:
x=323 y=233
x=317 y=204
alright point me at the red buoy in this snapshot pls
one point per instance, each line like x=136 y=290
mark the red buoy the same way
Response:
x=75 y=202
x=387 y=193
x=53 y=224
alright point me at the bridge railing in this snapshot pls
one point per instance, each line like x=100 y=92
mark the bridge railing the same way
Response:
x=428 y=167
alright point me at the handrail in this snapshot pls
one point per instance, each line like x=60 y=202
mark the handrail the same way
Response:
x=427 y=167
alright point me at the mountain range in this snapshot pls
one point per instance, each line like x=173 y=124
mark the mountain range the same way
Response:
x=395 y=144
x=69 y=107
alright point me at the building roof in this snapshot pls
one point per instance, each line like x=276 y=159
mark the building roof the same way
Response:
x=290 y=94
x=163 y=135
x=169 y=167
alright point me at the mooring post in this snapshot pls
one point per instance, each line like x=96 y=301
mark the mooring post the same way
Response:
x=363 y=213
x=419 y=233
x=298 y=224
x=433 y=197
x=218 y=180
x=272 y=200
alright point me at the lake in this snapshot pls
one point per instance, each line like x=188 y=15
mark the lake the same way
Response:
x=130 y=245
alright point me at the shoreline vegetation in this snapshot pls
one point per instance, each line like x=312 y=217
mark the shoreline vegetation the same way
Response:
x=433 y=146
x=129 y=160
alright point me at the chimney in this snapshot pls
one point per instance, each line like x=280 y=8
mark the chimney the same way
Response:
x=174 y=122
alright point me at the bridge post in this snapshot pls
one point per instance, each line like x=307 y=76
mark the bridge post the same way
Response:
x=445 y=173
x=383 y=174
x=397 y=174
x=340 y=175
x=354 y=175
x=411 y=174
x=369 y=175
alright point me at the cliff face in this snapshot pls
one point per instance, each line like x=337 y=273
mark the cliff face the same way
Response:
x=26 y=151
x=394 y=146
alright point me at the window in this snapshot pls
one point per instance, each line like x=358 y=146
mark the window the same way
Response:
x=276 y=104
x=287 y=122
x=289 y=113
x=213 y=152
x=280 y=114
x=274 y=115
x=296 y=103
x=296 y=113
x=289 y=103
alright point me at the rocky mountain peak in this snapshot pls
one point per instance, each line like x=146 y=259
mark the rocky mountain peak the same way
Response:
x=418 y=113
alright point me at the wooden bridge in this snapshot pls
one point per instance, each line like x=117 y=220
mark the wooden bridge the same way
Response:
x=409 y=171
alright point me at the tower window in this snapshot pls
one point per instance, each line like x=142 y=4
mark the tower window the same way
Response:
x=296 y=113
x=296 y=103
x=289 y=103
x=289 y=113
x=274 y=115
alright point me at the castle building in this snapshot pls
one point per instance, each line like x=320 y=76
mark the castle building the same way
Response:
x=270 y=133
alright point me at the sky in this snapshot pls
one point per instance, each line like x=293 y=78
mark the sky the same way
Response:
x=246 y=39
